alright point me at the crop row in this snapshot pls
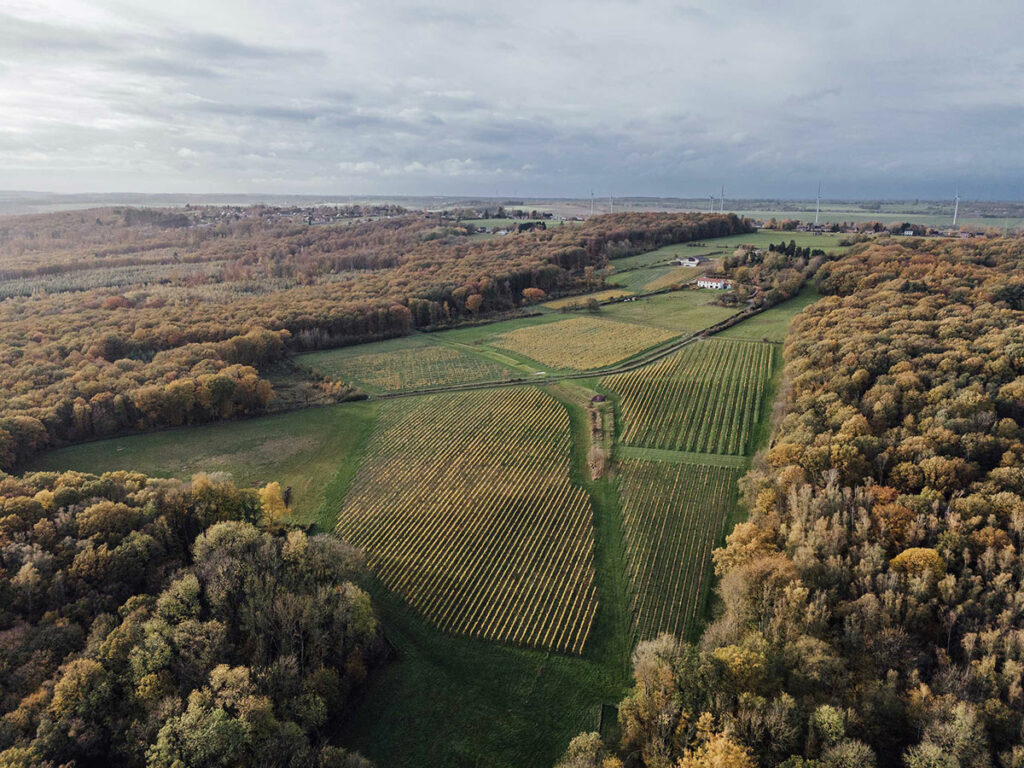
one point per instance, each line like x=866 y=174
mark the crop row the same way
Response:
x=706 y=398
x=672 y=516
x=464 y=508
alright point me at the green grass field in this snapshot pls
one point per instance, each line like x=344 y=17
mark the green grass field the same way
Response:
x=887 y=214
x=724 y=246
x=581 y=300
x=315 y=451
x=772 y=324
x=685 y=311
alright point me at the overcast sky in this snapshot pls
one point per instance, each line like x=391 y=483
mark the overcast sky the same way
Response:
x=875 y=99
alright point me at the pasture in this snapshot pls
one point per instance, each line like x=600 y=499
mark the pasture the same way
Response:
x=672 y=515
x=465 y=509
x=314 y=451
x=686 y=311
x=772 y=324
x=581 y=300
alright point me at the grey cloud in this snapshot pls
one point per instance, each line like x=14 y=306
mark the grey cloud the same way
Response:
x=691 y=12
x=24 y=37
x=165 y=66
x=221 y=48
x=647 y=97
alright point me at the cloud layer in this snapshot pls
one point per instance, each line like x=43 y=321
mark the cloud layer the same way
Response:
x=646 y=97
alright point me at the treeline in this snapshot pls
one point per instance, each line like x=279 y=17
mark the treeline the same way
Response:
x=109 y=390
x=872 y=609
x=96 y=362
x=152 y=623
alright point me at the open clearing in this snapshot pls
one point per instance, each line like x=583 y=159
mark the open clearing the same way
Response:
x=464 y=508
x=582 y=343
x=314 y=451
x=772 y=324
x=686 y=311
x=705 y=398
x=672 y=515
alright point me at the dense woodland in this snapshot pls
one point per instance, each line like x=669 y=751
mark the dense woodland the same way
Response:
x=163 y=623
x=872 y=608
x=119 y=320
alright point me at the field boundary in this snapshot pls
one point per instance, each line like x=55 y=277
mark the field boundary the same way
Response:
x=645 y=359
x=682 y=457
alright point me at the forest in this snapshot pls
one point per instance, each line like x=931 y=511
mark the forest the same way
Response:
x=168 y=623
x=870 y=609
x=117 y=321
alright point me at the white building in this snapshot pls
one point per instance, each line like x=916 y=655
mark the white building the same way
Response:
x=689 y=261
x=716 y=283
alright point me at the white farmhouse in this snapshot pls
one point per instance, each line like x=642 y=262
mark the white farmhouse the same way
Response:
x=716 y=283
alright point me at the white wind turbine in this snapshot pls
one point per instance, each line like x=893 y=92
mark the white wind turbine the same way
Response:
x=956 y=204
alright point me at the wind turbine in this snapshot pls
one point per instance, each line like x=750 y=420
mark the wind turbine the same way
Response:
x=711 y=203
x=956 y=204
x=591 y=202
x=721 y=201
x=817 y=205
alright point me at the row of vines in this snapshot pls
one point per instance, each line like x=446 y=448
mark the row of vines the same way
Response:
x=465 y=509
x=672 y=516
x=706 y=398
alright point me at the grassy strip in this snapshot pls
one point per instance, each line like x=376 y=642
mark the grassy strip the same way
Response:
x=682 y=457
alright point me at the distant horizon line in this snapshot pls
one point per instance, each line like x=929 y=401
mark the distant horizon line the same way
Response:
x=11 y=193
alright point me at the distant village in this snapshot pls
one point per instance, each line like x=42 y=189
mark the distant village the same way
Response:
x=905 y=229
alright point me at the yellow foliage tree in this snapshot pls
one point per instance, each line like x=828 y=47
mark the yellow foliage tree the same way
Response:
x=272 y=502
x=918 y=560
x=718 y=750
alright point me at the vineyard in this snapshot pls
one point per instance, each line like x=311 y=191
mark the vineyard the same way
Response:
x=672 y=516
x=706 y=398
x=582 y=343
x=464 y=508
x=415 y=367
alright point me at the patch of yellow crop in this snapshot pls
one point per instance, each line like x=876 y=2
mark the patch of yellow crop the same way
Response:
x=582 y=343
x=580 y=301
